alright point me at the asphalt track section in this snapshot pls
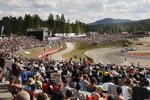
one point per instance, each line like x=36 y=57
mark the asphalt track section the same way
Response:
x=59 y=55
x=114 y=56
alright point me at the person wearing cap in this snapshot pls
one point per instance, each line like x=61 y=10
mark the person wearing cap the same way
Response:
x=107 y=79
x=29 y=83
x=45 y=85
x=100 y=90
x=38 y=81
x=98 y=93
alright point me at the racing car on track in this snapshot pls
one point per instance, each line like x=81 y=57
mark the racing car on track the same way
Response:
x=126 y=49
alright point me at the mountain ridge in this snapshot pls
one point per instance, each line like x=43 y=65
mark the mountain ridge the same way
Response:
x=108 y=21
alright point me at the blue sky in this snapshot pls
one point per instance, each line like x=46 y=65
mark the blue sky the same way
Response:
x=84 y=10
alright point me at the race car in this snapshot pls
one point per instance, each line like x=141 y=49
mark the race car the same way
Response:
x=126 y=49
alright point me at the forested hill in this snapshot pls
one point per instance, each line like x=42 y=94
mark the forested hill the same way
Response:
x=58 y=24
x=108 y=21
x=131 y=27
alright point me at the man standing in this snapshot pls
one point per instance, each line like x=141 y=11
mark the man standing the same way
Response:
x=2 y=63
x=17 y=70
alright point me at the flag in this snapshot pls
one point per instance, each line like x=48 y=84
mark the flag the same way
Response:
x=2 y=30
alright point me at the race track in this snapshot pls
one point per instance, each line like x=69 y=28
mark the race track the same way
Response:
x=59 y=55
x=113 y=56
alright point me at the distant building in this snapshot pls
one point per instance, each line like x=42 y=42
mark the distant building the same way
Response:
x=124 y=33
x=139 y=34
x=41 y=34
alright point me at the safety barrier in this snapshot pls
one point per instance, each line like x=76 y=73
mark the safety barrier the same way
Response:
x=43 y=54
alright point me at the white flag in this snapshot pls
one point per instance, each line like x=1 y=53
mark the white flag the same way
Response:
x=2 y=30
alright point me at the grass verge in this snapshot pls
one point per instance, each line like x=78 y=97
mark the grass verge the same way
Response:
x=82 y=47
x=34 y=52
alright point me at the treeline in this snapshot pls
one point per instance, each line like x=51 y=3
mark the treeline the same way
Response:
x=130 y=27
x=55 y=24
x=58 y=24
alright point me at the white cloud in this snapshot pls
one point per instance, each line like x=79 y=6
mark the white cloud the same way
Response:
x=83 y=10
x=15 y=3
x=120 y=6
x=45 y=3
x=72 y=11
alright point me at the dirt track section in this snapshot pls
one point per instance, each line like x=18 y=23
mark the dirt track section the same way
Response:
x=58 y=56
x=113 y=55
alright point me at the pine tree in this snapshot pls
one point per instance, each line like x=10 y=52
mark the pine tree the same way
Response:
x=50 y=23
x=68 y=27
x=77 y=28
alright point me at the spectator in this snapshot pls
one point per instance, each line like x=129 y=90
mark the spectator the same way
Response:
x=119 y=94
x=111 y=97
x=17 y=70
x=126 y=90
x=92 y=86
x=65 y=87
x=69 y=94
x=45 y=85
x=108 y=81
x=99 y=90
x=33 y=92
x=42 y=96
x=38 y=81
x=95 y=96
x=79 y=94
x=57 y=96
x=23 y=95
x=29 y=83
x=25 y=75
x=13 y=87
x=146 y=85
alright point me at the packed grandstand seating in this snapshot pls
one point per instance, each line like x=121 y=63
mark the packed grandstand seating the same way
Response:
x=17 y=43
x=93 y=38
x=46 y=79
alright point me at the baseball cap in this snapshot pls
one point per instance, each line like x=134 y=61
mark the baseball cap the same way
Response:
x=100 y=87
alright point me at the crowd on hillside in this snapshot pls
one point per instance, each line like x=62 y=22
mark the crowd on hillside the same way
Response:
x=20 y=43
x=97 y=38
x=45 y=79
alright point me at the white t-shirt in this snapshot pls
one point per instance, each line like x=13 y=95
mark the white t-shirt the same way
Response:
x=106 y=85
x=9 y=64
x=64 y=89
x=125 y=92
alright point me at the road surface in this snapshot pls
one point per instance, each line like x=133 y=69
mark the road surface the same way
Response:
x=59 y=55
x=113 y=56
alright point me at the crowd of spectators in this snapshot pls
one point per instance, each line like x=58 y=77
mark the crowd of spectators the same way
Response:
x=46 y=79
x=97 y=38
x=20 y=43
